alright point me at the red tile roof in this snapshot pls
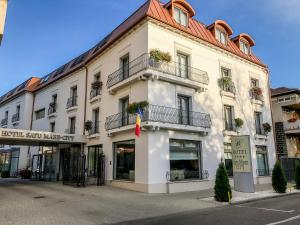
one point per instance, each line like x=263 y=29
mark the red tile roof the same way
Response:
x=283 y=91
x=150 y=9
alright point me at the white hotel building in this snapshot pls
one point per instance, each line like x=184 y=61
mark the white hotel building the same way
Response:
x=187 y=127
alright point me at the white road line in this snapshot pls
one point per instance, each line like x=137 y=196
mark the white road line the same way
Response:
x=266 y=209
x=285 y=221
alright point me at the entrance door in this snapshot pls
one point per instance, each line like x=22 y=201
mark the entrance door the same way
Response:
x=37 y=167
x=73 y=169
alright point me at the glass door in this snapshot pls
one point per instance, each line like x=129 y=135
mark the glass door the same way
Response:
x=124 y=106
x=183 y=110
x=182 y=68
x=125 y=66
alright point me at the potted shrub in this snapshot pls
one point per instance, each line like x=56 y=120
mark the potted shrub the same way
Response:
x=5 y=174
x=133 y=107
x=88 y=125
x=222 y=187
x=257 y=91
x=25 y=174
x=279 y=182
x=267 y=128
x=238 y=123
x=159 y=56
x=96 y=84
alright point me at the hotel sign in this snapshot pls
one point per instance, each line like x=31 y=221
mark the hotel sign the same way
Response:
x=241 y=154
x=38 y=136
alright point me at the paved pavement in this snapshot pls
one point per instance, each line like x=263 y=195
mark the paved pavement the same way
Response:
x=34 y=203
x=279 y=211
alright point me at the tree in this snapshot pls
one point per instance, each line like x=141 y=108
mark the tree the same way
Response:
x=279 y=182
x=222 y=187
x=297 y=176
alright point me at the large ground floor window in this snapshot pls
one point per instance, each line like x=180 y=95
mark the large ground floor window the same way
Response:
x=93 y=157
x=228 y=159
x=185 y=160
x=262 y=161
x=124 y=160
x=9 y=161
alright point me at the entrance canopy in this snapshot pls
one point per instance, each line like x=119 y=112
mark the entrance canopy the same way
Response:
x=32 y=138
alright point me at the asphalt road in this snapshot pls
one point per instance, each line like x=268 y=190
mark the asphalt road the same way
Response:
x=277 y=211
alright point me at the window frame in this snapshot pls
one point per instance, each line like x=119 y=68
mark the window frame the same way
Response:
x=180 y=13
x=229 y=126
x=37 y=114
x=219 y=31
x=244 y=45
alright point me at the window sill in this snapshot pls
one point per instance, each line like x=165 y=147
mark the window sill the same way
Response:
x=73 y=108
x=257 y=101
x=261 y=136
x=92 y=136
x=230 y=133
x=52 y=115
x=95 y=99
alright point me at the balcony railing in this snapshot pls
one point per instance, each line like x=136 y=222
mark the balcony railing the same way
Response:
x=230 y=87
x=146 y=62
x=4 y=122
x=15 y=118
x=52 y=108
x=95 y=92
x=72 y=101
x=71 y=130
x=95 y=128
x=154 y=113
x=292 y=125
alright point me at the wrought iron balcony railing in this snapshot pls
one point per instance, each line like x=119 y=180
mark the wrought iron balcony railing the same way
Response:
x=4 y=122
x=229 y=87
x=95 y=128
x=15 y=118
x=72 y=101
x=70 y=130
x=52 y=108
x=161 y=114
x=95 y=92
x=146 y=62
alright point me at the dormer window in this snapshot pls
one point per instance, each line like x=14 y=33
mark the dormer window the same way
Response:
x=245 y=48
x=221 y=36
x=181 y=16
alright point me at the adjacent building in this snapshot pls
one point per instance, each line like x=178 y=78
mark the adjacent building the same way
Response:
x=286 y=116
x=193 y=81
x=3 y=8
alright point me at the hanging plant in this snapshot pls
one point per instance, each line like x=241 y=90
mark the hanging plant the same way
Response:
x=52 y=104
x=133 y=107
x=225 y=81
x=160 y=56
x=96 y=84
x=238 y=123
x=292 y=120
x=267 y=128
x=257 y=91
x=88 y=125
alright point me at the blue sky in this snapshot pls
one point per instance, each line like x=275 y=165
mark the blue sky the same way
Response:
x=40 y=35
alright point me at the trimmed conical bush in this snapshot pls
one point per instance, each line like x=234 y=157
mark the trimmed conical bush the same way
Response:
x=279 y=182
x=297 y=176
x=222 y=186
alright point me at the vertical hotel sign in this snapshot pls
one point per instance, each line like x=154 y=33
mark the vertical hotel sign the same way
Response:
x=242 y=164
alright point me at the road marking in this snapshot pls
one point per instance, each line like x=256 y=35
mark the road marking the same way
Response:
x=285 y=221
x=266 y=209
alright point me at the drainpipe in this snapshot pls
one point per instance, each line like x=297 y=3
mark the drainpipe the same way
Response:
x=85 y=97
x=30 y=126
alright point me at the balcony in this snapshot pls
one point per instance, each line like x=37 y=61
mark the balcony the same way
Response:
x=72 y=102
x=52 y=108
x=71 y=130
x=95 y=129
x=4 y=122
x=15 y=118
x=256 y=96
x=145 y=67
x=156 y=117
x=95 y=94
x=292 y=127
x=228 y=89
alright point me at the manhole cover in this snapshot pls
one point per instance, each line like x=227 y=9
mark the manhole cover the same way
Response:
x=39 y=197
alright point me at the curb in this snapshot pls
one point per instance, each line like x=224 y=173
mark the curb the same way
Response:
x=264 y=198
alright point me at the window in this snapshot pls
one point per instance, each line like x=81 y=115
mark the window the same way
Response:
x=72 y=125
x=52 y=127
x=93 y=157
x=225 y=72
x=18 y=110
x=245 y=47
x=183 y=109
x=124 y=160
x=125 y=66
x=254 y=83
x=97 y=76
x=124 y=103
x=262 y=161
x=228 y=159
x=72 y=101
x=95 y=128
x=180 y=16
x=40 y=114
x=258 y=123
x=6 y=115
x=221 y=36
x=54 y=98
x=229 y=117
x=185 y=160
x=182 y=67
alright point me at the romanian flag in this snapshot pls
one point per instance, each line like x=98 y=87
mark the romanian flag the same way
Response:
x=139 y=115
